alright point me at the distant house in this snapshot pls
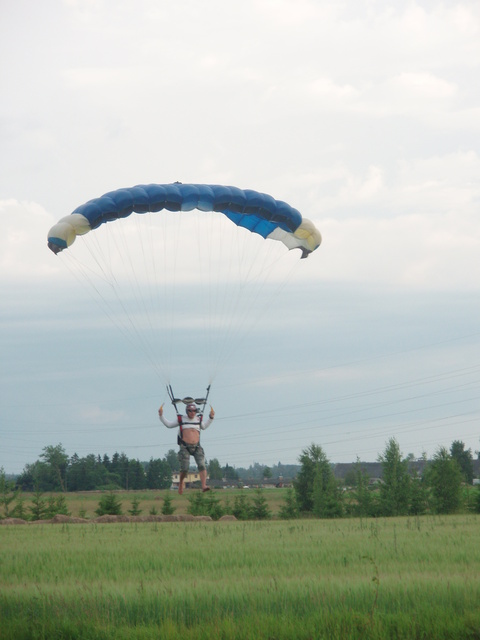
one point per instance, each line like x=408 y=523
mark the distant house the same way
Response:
x=192 y=476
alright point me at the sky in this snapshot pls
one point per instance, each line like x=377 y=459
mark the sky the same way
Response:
x=363 y=115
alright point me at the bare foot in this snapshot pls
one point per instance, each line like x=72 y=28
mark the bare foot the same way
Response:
x=205 y=489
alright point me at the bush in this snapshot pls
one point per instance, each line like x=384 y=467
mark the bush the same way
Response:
x=167 y=508
x=241 y=508
x=289 y=509
x=109 y=504
x=135 y=511
x=259 y=510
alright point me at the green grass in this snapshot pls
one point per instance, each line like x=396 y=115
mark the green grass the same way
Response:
x=389 y=578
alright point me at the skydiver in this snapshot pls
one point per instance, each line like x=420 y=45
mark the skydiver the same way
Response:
x=189 y=442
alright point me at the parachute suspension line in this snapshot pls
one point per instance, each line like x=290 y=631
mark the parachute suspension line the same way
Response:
x=223 y=298
x=236 y=295
x=128 y=291
x=155 y=256
x=244 y=305
x=210 y=255
x=168 y=244
x=238 y=275
x=218 y=257
x=83 y=275
x=113 y=303
x=210 y=250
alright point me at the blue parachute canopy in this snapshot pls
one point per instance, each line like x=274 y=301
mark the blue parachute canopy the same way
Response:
x=257 y=212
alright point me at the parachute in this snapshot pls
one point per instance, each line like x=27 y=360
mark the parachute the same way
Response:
x=257 y=212
x=187 y=279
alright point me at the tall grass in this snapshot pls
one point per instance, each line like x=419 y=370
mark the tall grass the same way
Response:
x=402 y=578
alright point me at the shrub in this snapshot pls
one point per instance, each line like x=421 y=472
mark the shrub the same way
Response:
x=109 y=504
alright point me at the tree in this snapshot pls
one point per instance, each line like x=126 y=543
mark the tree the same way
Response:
x=171 y=458
x=327 y=498
x=445 y=479
x=56 y=505
x=89 y=473
x=363 y=506
x=303 y=485
x=477 y=500
x=19 y=510
x=259 y=509
x=197 y=504
x=167 y=508
x=418 y=495
x=395 y=488
x=38 y=508
x=215 y=470
x=8 y=493
x=57 y=463
x=159 y=474
x=213 y=506
x=120 y=466
x=464 y=459
x=135 y=511
x=26 y=480
x=229 y=473
x=36 y=476
x=110 y=504
x=289 y=509
x=241 y=508
x=136 y=475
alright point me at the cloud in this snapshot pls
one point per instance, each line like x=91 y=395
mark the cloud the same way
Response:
x=436 y=253
x=23 y=253
x=93 y=414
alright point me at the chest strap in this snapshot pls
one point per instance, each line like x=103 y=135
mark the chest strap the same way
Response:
x=181 y=424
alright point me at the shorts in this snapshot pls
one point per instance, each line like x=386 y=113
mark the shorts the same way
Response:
x=194 y=450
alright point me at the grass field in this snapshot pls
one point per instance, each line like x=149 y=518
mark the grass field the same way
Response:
x=350 y=578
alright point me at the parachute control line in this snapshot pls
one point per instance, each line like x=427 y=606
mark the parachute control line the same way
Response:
x=257 y=212
x=188 y=399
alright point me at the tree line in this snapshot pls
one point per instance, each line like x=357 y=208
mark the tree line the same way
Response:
x=442 y=488
x=315 y=490
x=55 y=470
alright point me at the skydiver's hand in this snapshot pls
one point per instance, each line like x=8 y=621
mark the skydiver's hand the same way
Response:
x=160 y=411
x=212 y=413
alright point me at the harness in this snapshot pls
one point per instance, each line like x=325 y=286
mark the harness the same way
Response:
x=181 y=423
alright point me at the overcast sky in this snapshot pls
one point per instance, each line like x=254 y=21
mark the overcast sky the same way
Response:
x=363 y=115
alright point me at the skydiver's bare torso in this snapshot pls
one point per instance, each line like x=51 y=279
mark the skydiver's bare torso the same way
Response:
x=190 y=436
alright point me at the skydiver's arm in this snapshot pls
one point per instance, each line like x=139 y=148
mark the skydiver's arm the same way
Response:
x=167 y=423
x=209 y=420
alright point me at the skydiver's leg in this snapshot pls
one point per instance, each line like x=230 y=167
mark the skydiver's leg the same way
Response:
x=184 y=459
x=199 y=456
x=203 y=480
x=183 y=475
